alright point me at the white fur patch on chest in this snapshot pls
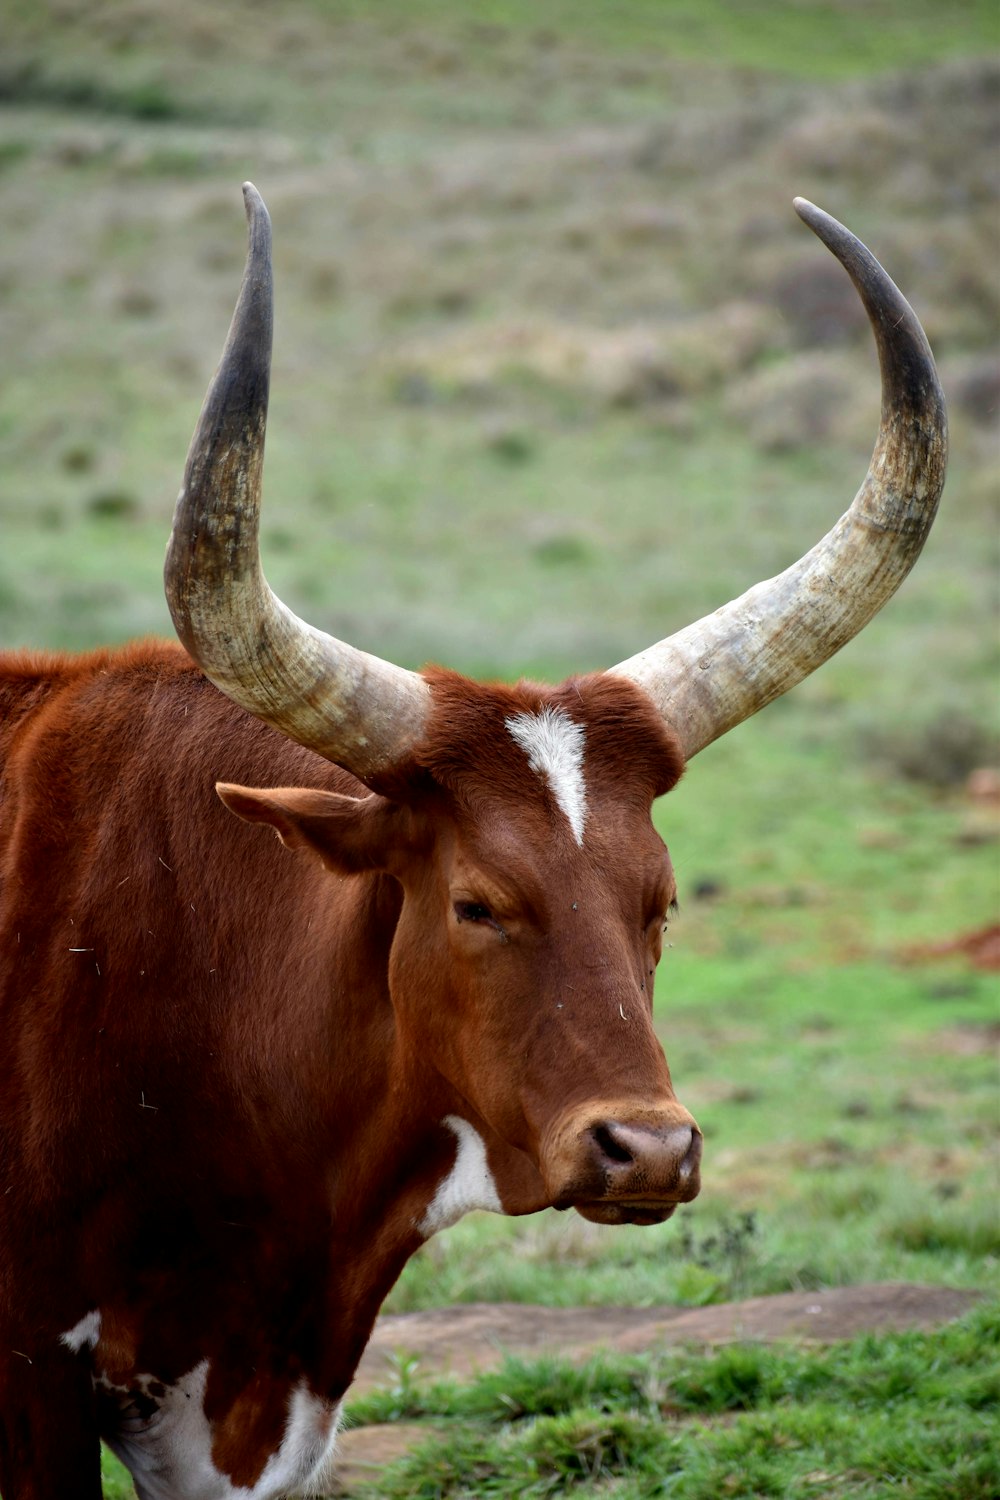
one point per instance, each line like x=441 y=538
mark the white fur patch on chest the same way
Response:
x=84 y=1334
x=554 y=744
x=468 y=1185
x=169 y=1453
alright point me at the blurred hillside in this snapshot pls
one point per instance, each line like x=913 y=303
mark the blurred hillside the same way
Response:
x=556 y=367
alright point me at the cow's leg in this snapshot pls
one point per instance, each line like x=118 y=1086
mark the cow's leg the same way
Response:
x=49 y=1444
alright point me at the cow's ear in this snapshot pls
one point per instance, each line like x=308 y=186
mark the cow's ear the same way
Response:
x=349 y=834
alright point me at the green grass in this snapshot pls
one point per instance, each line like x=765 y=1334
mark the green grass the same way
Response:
x=168 y=64
x=905 y=1414
x=810 y=38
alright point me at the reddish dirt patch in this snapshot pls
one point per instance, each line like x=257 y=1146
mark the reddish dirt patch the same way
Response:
x=465 y=1340
x=980 y=948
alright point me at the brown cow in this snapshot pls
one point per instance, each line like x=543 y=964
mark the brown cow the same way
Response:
x=241 y=1086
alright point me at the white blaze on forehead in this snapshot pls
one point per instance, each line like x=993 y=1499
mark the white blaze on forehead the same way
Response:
x=468 y=1185
x=554 y=744
x=86 y=1332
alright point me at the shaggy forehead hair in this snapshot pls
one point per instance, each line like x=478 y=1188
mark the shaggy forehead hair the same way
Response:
x=470 y=750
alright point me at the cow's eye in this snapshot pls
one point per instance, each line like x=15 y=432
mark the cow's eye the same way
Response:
x=472 y=911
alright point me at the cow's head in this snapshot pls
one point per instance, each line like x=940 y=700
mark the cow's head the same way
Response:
x=517 y=820
x=535 y=895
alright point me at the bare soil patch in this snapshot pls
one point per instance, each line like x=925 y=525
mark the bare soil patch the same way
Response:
x=466 y=1340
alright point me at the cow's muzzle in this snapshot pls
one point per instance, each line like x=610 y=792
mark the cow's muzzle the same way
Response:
x=624 y=1165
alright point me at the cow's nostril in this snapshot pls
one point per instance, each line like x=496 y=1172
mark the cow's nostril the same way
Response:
x=610 y=1146
x=672 y=1152
x=618 y=1169
x=692 y=1157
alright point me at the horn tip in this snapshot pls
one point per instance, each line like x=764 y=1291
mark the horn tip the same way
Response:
x=835 y=236
x=252 y=200
x=808 y=212
x=258 y=220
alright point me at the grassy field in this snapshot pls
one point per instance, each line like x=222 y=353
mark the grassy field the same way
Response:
x=907 y=1414
x=556 y=371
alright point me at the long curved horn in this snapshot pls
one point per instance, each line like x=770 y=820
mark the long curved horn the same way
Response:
x=720 y=670
x=350 y=707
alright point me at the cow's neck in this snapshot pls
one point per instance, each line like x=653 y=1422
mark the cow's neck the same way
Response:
x=376 y=1134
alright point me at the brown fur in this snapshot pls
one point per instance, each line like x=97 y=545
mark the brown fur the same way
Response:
x=225 y=1066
